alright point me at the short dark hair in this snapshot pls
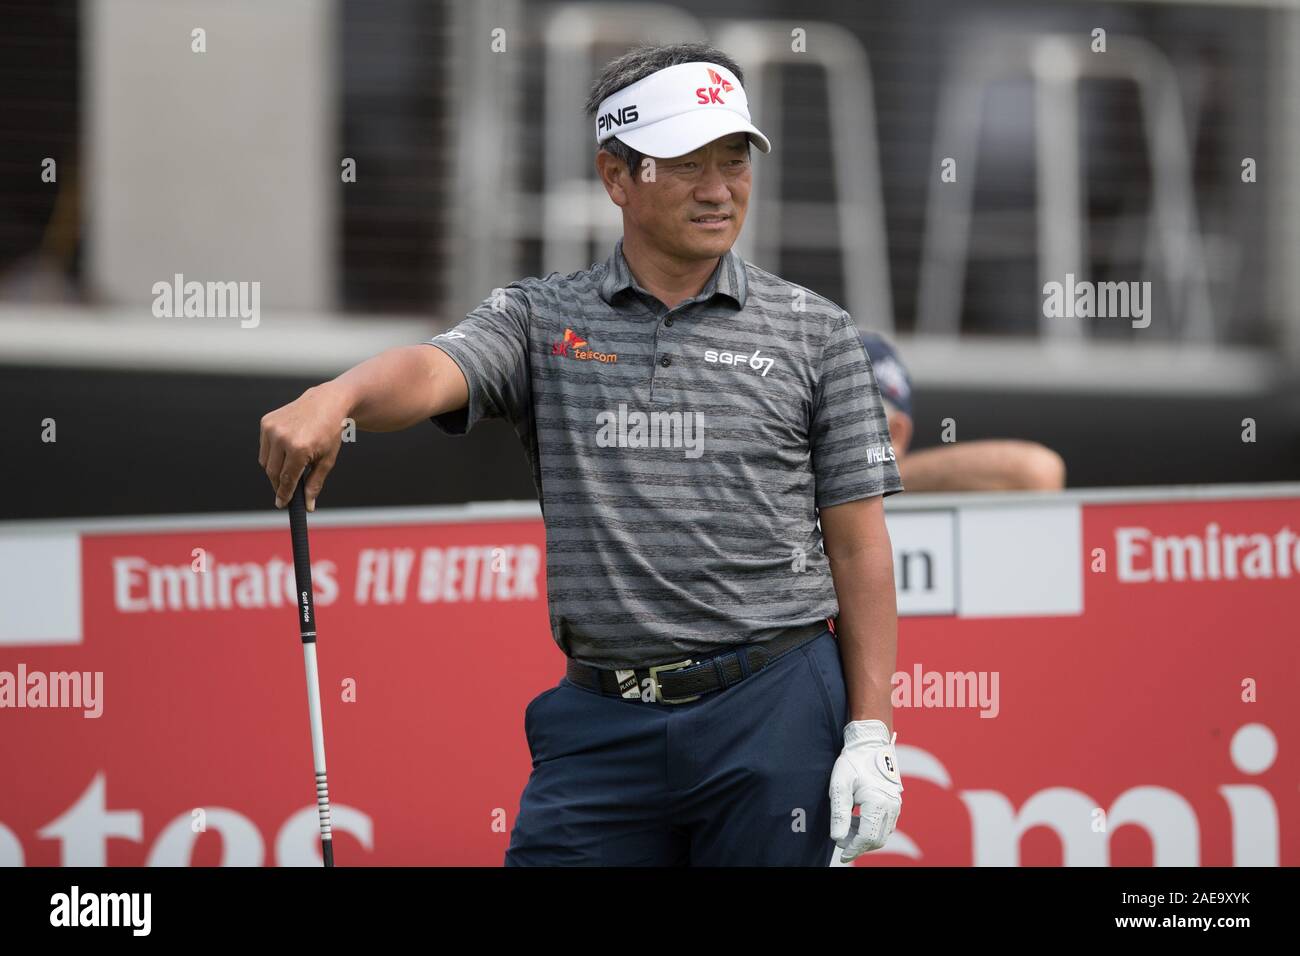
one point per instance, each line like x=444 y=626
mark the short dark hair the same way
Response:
x=638 y=63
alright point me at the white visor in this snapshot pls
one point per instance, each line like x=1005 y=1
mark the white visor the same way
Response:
x=678 y=110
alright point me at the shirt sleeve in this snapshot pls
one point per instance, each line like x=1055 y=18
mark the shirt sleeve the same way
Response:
x=491 y=347
x=851 y=454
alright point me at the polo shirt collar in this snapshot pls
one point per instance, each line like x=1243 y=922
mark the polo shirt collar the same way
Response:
x=727 y=279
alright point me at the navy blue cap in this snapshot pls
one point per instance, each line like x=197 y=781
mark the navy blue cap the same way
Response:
x=891 y=374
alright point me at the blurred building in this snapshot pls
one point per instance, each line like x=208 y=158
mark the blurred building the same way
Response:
x=226 y=155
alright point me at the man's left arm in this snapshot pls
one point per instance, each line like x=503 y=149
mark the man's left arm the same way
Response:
x=855 y=469
x=862 y=567
x=866 y=773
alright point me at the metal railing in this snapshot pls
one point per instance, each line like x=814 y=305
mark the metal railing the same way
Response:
x=1056 y=65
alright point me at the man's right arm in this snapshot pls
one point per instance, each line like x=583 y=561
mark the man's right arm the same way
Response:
x=394 y=390
x=401 y=387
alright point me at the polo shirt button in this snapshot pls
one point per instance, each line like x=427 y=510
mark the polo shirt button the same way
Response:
x=665 y=361
x=668 y=321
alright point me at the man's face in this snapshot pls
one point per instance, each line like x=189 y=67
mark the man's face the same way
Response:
x=695 y=204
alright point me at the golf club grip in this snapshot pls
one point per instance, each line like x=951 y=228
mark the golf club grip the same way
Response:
x=302 y=561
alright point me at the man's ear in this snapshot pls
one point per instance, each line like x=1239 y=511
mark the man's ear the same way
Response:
x=613 y=176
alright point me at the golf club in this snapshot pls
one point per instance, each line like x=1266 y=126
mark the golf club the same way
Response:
x=307 y=630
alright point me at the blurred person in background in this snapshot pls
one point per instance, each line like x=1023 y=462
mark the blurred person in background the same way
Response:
x=994 y=464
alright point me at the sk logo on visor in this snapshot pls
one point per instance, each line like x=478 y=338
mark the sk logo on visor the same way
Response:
x=712 y=94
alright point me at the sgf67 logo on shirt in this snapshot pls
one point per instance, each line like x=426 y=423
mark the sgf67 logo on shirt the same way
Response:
x=755 y=361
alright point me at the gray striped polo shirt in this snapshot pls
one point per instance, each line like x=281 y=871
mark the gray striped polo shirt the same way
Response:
x=680 y=455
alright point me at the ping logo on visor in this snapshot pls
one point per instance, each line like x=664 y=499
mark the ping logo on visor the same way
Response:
x=677 y=110
x=609 y=120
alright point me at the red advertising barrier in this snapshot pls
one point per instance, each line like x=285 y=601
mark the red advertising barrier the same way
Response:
x=1103 y=684
x=1158 y=726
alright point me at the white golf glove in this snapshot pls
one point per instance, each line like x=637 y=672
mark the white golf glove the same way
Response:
x=865 y=775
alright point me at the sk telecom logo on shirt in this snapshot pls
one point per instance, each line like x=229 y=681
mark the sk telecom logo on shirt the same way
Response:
x=574 y=346
x=711 y=93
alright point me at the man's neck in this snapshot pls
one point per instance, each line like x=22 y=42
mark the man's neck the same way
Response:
x=668 y=279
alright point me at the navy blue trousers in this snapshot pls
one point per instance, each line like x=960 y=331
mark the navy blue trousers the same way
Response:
x=740 y=777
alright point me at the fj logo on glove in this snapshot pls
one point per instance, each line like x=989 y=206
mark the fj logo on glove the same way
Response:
x=887 y=766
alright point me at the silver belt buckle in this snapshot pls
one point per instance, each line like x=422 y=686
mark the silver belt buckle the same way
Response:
x=654 y=679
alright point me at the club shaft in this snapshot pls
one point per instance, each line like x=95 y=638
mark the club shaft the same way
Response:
x=306 y=610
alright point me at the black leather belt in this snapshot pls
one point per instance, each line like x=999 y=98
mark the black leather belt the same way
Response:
x=684 y=681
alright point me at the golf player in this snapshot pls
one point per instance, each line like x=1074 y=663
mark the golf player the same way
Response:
x=688 y=418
